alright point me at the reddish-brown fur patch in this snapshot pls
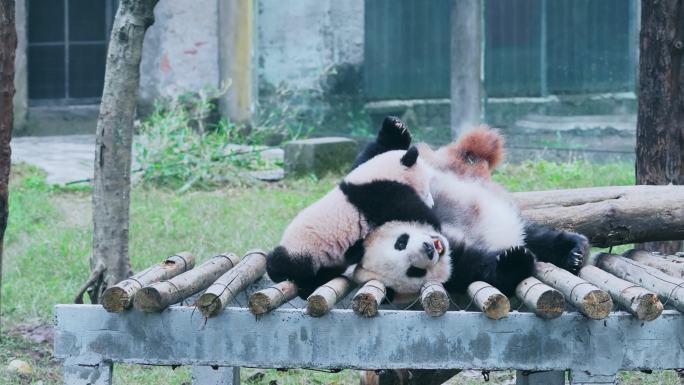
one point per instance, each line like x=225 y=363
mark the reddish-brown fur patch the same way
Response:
x=474 y=154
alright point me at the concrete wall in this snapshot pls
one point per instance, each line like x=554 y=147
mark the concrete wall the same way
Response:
x=181 y=49
x=20 y=76
x=301 y=40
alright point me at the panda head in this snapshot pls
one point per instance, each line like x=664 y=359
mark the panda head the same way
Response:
x=404 y=256
x=403 y=166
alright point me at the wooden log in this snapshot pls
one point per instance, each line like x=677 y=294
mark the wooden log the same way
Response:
x=120 y=296
x=323 y=299
x=434 y=298
x=586 y=297
x=669 y=288
x=638 y=301
x=272 y=297
x=224 y=290
x=366 y=301
x=489 y=299
x=160 y=295
x=673 y=266
x=610 y=216
x=542 y=299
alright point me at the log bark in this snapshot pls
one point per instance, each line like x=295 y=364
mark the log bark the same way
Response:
x=586 y=297
x=434 y=298
x=542 y=299
x=638 y=301
x=669 y=266
x=610 y=216
x=660 y=118
x=272 y=297
x=114 y=135
x=407 y=376
x=224 y=290
x=323 y=299
x=670 y=289
x=120 y=296
x=369 y=297
x=160 y=295
x=8 y=45
x=489 y=299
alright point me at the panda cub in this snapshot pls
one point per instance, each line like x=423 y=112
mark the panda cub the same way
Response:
x=324 y=239
x=482 y=236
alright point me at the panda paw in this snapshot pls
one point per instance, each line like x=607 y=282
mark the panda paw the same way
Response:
x=577 y=248
x=516 y=259
x=394 y=134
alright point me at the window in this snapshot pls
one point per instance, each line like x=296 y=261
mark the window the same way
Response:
x=67 y=48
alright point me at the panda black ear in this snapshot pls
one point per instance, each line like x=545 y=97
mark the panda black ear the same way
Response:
x=410 y=158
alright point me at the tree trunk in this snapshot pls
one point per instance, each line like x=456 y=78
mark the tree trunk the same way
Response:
x=8 y=45
x=111 y=186
x=660 y=124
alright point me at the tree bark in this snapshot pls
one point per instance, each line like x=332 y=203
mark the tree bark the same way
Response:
x=660 y=122
x=111 y=187
x=8 y=45
x=610 y=216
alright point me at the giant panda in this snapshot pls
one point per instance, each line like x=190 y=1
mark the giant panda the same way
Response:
x=482 y=237
x=326 y=238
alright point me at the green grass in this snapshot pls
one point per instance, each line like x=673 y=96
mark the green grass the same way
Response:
x=49 y=237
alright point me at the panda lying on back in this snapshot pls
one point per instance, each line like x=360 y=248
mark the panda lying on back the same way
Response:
x=482 y=237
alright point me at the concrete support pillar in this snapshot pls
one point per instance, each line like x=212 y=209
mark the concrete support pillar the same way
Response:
x=581 y=377
x=219 y=375
x=89 y=369
x=237 y=58
x=467 y=31
x=20 y=65
x=554 y=377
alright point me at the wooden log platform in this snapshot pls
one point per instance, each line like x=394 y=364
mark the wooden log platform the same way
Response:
x=120 y=296
x=586 y=297
x=272 y=297
x=669 y=265
x=638 y=301
x=369 y=297
x=669 y=288
x=158 y=296
x=225 y=288
x=540 y=298
x=489 y=299
x=323 y=299
x=434 y=298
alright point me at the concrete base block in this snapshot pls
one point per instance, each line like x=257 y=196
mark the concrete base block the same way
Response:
x=319 y=156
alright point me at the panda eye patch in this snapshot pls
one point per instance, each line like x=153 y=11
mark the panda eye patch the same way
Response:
x=401 y=242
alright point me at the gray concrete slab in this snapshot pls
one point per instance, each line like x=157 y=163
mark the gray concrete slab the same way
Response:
x=64 y=158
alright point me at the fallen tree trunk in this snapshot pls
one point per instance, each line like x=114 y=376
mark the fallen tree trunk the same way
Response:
x=610 y=216
x=120 y=296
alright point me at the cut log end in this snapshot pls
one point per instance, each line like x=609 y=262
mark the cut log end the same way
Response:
x=368 y=299
x=649 y=307
x=497 y=306
x=597 y=304
x=550 y=304
x=434 y=299
x=365 y=305
x=259 y=303
x=208 y=304
x=317 y=305
x=149 y=300
x=115 y=299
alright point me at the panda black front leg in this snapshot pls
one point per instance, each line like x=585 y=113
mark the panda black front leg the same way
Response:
x=564 y=249
x=503 y=270
x=393 y=135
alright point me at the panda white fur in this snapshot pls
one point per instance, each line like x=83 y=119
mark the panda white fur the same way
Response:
x=326 y=238
x=486 y=237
